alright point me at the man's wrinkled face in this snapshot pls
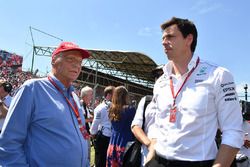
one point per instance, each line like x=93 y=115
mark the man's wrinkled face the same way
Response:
x=67 y=65
x=88 y=98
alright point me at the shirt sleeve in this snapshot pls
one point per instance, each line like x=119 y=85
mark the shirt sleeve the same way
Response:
x=229 y=111
x=96 y=121
x=14 y=132
x=153 y=131
x=139 y=113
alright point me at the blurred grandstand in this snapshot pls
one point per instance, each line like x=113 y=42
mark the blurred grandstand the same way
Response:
x=103 y=68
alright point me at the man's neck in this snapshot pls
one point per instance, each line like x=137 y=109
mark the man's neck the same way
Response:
x=180 y=66
x=65 y=82
x=179 y=69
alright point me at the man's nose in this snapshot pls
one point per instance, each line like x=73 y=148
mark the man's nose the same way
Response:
x=165 y=42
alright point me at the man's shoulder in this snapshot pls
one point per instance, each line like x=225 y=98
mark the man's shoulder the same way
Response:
x=207 y=63
x=32 y=84
x=35 y=81
x=212 y=65
x=102 y=106
x=212 y=68
x=148 y=98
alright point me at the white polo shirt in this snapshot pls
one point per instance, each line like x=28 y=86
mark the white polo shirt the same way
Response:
x=207 y=101
x=149 y=120
x=101 y=120
x=149 y=115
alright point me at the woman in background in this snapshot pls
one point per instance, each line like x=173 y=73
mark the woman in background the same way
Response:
x=121 y=115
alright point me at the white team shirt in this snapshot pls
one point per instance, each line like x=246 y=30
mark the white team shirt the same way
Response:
x=207 y=101
x=101 y=120
x=149 y=120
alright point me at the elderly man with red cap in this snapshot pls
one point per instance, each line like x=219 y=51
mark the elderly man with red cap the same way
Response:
x=45 y=126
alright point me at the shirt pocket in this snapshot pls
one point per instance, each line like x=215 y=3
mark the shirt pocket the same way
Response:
x=194 y=99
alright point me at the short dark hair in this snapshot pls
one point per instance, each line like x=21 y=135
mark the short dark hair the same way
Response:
x=6 y=86
x=108 y=90
x=185 y=26
x=157 y=72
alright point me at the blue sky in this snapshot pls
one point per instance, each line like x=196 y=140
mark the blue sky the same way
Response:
x=129 y=25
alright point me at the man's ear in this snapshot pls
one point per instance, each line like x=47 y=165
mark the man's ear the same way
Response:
x=189 y=39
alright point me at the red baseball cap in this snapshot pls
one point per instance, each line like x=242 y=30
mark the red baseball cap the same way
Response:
x=67 y=46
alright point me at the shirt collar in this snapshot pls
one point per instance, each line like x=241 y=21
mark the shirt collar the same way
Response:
x=167 y=69
x=192 y=62
x=60 y=84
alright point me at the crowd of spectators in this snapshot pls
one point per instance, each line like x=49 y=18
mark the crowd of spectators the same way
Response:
x=8 y=59
x=11 y=69
x=16 y=78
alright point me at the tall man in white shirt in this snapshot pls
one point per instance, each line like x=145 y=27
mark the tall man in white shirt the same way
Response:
x=101 y=128
x=193 y=99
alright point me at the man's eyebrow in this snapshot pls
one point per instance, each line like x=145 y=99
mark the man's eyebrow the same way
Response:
x=168 y=35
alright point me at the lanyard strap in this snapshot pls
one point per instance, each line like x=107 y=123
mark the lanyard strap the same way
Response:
x=74 y=108
x=188 y=75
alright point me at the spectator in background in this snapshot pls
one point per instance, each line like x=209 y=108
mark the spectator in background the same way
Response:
x=243 y=156
x=5 y=100
x=98 y=100
x=45 y=123
x=16 y=78
x=121 y=115
x=136 y=125
x=86 y=99
x=101 y=128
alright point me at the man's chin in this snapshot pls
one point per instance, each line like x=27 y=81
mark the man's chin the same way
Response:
x=170 y=57
x=73 y=78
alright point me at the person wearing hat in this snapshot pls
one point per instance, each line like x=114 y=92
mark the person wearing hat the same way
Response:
x=5 y=99
x=45 y=123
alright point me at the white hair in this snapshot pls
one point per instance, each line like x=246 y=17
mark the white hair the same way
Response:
x=85 y=90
